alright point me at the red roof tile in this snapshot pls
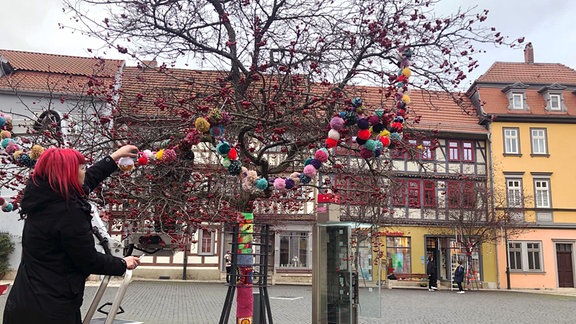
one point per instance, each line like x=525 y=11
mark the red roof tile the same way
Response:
x=52 y=63
x=528 y=73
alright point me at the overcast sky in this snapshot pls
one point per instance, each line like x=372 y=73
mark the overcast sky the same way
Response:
x=32 y=25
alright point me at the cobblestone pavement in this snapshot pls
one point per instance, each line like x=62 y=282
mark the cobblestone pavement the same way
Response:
x=164 y=302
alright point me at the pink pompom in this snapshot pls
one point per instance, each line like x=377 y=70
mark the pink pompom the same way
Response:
x=279 y=184
x=321 y=155
x=334 y=134
x=337 y=123
x=310 y=170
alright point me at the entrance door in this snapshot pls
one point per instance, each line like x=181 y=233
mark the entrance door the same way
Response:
x=565 y=267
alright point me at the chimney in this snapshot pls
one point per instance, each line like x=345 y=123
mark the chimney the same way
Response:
x=529 y=53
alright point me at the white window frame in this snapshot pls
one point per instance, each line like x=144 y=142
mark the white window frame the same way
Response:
x=539 y=141
x=555 y=102
x=530 y=253
x=294 y=238
x=517 y=101
x=511 y=140
x=211 y=242
x=542 y=198
x=514 y=192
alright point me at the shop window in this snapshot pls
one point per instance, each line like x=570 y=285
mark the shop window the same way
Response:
x=294 y=250
x=398 y=251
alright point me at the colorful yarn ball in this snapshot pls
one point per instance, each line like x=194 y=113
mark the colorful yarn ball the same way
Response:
x=385 y=133
x=261 y=183
x=399 y=84
x=366 y=153
x=142 y=160
x=226 y=163
x=125 y=164
x=334 y=134
x=331 y=143
x=233 y=154
x=223 y=148
x=317 y=164
x=370 y=144
x=385 y=140
x=350 y=118
x=217 y=131
x=251 y=175
x=11 y=148
x=7 y=208
x=363 y=123
x=159 y=154
x=337 y=123
x=321 y=155
x=360 y=141
x=5 y=142
x=361 y=110
x=377 y=152
x=396 y=127
x=202 y=125
x=373 y=120
x=148 y=154
x=235 y=167
x=279 y=184
x=364 y=134
x=379 y=113
x=26 y=161
x=405 y=99
x=308 y=160
x=2 y=121
x=395 y=137
x=36 y=151
x=169 y=155
x=310 y=170
x=406 y=72
x=357 y=102
x=377 y=128
x=16 y=155
x=399 y=119
x=289 y=183
x=5 y=134
x=304 y=179
x=378 y=145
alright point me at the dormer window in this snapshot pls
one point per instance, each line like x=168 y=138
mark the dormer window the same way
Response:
x=516 y=94
x=553 y=97
x=517 y=101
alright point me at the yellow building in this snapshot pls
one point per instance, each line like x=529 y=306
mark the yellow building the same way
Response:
x=530 y=111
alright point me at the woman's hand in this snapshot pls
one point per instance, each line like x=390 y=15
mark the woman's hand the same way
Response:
x=126 y=150
x=132 y=262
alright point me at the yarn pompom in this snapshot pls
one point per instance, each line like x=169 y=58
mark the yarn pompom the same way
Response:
x=217 y=131
x=385 y=140
x=226 y=163
x=316 y=164
x=125 y=164
x=235 y=167
x=36 y=151
x=370 y=145
x=406 y=72
x=363 y=123
x=361 y=110
x=261 y=183
x=350 y=118
x=7 y=208
x=395 y=137
x=364 y=134
x=148 y=154
x=366 y=153
x=26 y=161
x=159 y=155
x=304 y=179
x=307 y=161
x=289 y=183
x=356 y=102
x=360 y=141
x=321 y=155
x=251 y=176
x=5 y=142
x=334 y=134
x=169 y=155
x=232 y=154
x=378 y=127
x=11 y=148
x=405 y=99
x=5 y=134
x=337 y=123
x=223 y=148
x=279 y=184
x=310 y=171
x=330 y=143
x=202 y=125
x=373 y=120
x=142 y=160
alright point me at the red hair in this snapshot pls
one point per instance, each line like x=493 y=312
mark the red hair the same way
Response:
x=59 y=166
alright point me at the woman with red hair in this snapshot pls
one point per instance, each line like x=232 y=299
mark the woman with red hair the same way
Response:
x=58 y=251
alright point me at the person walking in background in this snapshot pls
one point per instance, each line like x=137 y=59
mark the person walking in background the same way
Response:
x=58 y=248
x=431 y=272
x=228 y=261
x=459 y=276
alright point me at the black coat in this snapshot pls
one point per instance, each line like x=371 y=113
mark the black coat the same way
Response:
x=431 y=268
x=459 y=273
x=58 y=254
